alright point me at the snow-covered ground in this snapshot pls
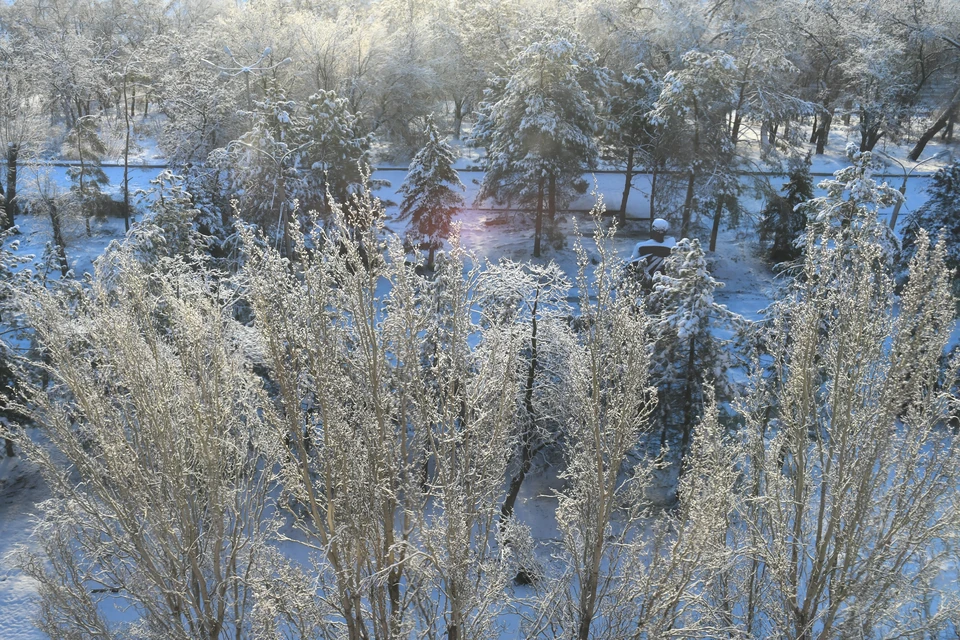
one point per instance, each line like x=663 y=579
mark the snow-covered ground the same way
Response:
x=21 y=488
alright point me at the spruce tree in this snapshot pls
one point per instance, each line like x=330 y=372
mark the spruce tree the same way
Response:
x=88 y=177
x=783 y=219
x=688 y=354
x=333 y=147
x=430 y=197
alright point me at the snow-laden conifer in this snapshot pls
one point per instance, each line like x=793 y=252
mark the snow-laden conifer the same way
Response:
x=688 y=355
x=538 y=125
x=430 y=194
x=939 y=216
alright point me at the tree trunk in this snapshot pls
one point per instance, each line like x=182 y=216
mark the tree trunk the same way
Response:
x=688 y=205
x=823 y=132
x=688 y=400
x=814 y=132
x=13 y=151
x=58 y=242
x=126 y=156
x=735 y=130
x=653 y=194
x=538 y=224
x=8 y=446
x=526 y=449
x=552 y=197
x=5 y=222
x=716 y=224
x=83 y=192
x=458 y=105
x=941 y=122
x=627 y=184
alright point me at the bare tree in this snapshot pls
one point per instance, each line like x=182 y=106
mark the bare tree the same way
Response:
x=153 y=455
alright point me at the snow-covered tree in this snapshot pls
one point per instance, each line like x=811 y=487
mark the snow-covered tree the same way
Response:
x=531 y=301
x=333 y=147
x=154 y=455
x=688 y=356
x=430 y=197
x=396 y=433
x=851 y=472
x=781 y=216
x=939 y=216
x=88 y=178
x=10 y=276
x=168 y=229
x=692 y=111
x=263 y=164
x=848 y=214
x=630 y=131
x=539 y=123
x=609 y=400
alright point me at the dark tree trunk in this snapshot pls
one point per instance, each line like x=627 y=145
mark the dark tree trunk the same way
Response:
x=688 y=205
x=552 y=197
x=653 y=194
x=735 y=130
x=8 y=446
x=58 y=242
x=946 y=116
x=526 y=448
x=823 y=133
x=814 y=132
x=627 y=185
x=688 y=400
x=947 y=135
x=5 y=222
x=126 y=155
x=538 y=224
x=12 y=206
x=458 y=113
x=715 y=231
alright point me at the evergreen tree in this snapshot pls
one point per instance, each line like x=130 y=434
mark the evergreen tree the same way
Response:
x=264 y=165
x=333 y=147
x=781 y=216
x=939 y=216
x=538 y=125
x=9 y=263
x=429 y=196
x=691 y=112
x=848 y=212
x=688 y=354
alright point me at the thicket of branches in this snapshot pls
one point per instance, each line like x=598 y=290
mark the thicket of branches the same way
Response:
x=322 y=445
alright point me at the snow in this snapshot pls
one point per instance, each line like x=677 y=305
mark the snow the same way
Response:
x=21 y=489
x=487 y=232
